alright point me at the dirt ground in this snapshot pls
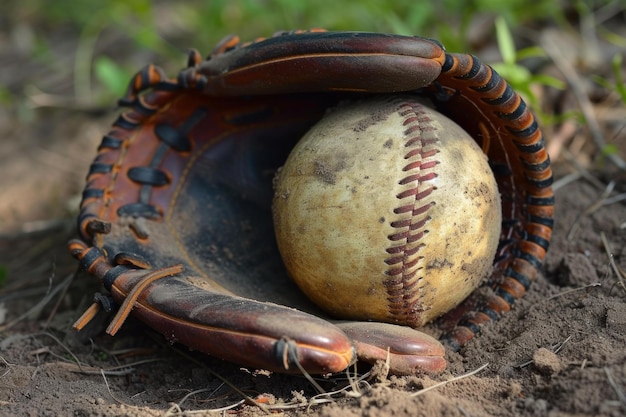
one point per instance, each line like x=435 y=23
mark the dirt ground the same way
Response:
x=560 y=352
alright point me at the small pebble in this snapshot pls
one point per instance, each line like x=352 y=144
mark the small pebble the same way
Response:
x=546 y=361
x=536 y=406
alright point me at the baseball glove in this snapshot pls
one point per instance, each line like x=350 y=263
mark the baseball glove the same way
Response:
x=175 y=217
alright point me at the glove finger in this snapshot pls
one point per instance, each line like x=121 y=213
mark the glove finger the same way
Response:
x=408 y=350
x=240 y=330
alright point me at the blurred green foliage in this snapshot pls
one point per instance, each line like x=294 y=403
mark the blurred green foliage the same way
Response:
x=167 y=28
x=619 y=86
x=520 y=77
x=3 y=275
x=209 y=20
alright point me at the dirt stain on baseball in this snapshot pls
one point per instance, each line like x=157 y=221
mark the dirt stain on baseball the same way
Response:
x=373 y=118
x=326 y=170
x=479 y=194
x=439 y=264
x=324 y=173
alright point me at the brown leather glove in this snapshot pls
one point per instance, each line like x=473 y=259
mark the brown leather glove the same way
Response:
x=175 y=219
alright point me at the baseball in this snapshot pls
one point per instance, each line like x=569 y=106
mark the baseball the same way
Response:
x=387 y=210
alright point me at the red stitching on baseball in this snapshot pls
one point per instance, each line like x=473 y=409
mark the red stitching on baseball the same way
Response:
x=423 y=138
x=404 y=284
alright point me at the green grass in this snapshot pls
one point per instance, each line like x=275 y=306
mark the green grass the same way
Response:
x=520 y=77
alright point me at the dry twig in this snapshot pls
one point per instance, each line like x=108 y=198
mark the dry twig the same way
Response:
x=616 y=269
x=584 y=103
x=600 y=202
x=616 y=388
x=37 y=307
x=566 y=292
x=457 y=378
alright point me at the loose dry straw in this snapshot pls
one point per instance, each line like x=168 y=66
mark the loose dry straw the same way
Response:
x=613 y=384
x=616 y=269
x=422 y=391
